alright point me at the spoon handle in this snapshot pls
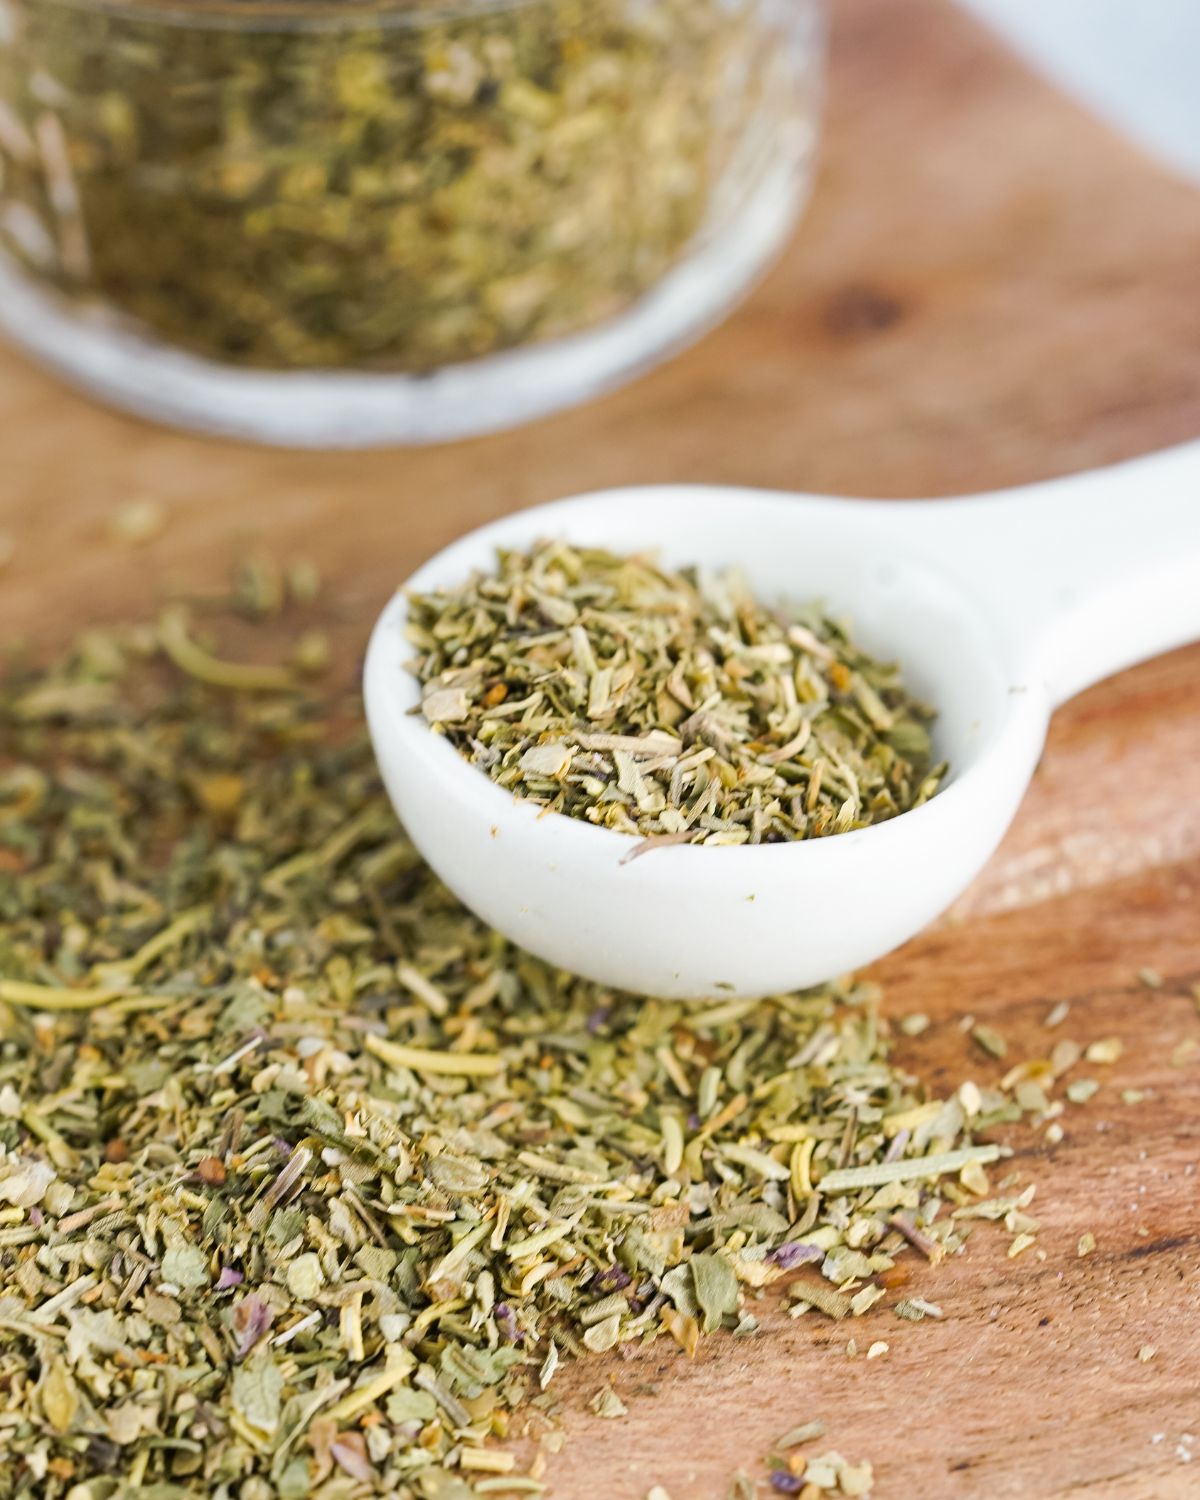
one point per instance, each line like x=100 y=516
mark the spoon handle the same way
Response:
x=1086 y=574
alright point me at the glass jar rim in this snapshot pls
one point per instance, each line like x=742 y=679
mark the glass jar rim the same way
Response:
x=296 y=15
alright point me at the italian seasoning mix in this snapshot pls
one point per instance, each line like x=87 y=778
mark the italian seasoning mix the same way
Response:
x=309 y=1182
x=376 y=184
x=669 y=704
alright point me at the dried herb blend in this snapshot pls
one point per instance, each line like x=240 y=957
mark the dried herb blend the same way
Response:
x=308 y=1180
x=668 y=704
x=375 y=184
x=791 y=1471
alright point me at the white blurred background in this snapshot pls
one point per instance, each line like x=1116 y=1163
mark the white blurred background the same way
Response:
x=1134 y=62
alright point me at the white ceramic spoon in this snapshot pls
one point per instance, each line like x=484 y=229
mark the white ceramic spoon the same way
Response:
x=998 y=607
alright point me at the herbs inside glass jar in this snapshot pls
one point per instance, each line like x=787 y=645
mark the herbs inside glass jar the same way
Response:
x=667 y=703
x=309 y=1179
x=375 y=184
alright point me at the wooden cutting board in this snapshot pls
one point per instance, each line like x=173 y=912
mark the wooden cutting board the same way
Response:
x=989 y=288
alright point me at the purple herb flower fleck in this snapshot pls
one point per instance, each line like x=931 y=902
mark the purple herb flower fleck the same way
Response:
x=793 y=1254
x=612 y=1279
x=251 y=1319
x=507 y=1323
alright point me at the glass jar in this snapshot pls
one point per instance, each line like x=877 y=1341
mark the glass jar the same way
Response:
x=345 y=222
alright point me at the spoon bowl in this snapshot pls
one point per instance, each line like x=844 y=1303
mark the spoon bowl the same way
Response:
x=993 y=623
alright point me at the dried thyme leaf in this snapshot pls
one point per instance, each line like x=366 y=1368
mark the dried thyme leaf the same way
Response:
x=1107 y=1050
x=990 y=1040
x=863 y=1301
x=833 y=1304
x=807 y=1432
x=716 y=1288
x=666 y=704
x=185 y=1266
x=255 y=1395
x=606 y=1403
x=59 y=1397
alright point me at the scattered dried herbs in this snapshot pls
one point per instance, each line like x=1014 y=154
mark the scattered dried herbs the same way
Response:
x=309 y=1180
x=826 y=1473
x=667 y=703
x=378 y=183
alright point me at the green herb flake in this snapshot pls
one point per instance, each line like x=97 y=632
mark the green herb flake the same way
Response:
x=185 y=1266
x=606 y=1403
x=716 y=1288
x=914 y=1309
x=989 y=1040
x=256 y=1393
x=1080 y=1090
x=806 y=1432
x=1106 y=1051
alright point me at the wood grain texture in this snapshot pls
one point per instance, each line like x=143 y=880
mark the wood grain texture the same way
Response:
x=987 y=289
